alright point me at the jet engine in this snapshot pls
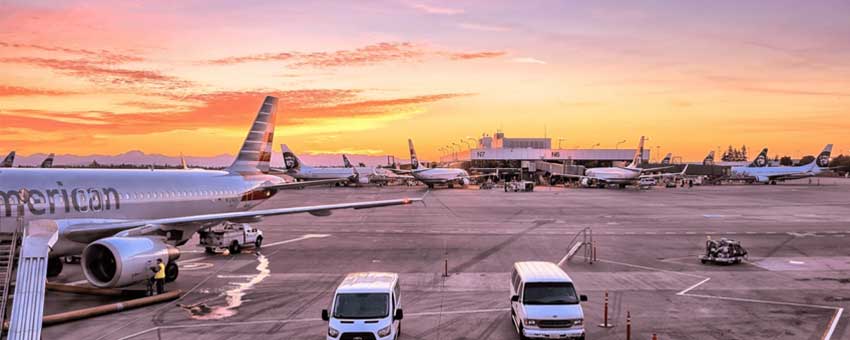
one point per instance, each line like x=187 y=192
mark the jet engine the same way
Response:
x=123 y=261
x=464 y=181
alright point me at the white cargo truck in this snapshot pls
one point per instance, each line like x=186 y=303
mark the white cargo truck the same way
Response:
x=233 y=236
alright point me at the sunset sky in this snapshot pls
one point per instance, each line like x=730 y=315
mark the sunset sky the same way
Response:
x=361 y=77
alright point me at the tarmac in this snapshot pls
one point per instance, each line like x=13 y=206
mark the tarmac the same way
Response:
x=795 y=284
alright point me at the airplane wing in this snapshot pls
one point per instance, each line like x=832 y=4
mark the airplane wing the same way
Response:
x=304 y=184
x=90 y=232
x=656 y=169
x=673 y=174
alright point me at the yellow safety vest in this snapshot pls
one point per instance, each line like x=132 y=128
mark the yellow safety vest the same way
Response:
x=160 y=274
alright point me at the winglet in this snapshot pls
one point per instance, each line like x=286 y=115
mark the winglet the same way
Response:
x=414 y=161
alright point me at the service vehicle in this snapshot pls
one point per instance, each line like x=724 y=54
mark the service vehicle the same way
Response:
x=366 y=306
x=233 y=236
x=645 y=183
x=723 y=251
x=544 y=302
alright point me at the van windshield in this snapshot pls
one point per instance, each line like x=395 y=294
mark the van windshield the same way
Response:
x=549 y=293
x=361 y=306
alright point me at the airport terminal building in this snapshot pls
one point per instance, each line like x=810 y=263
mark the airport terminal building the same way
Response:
x=500 y=151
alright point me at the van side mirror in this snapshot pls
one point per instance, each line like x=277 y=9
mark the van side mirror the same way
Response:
x=399 y=314
x=325 y=315
x=515 y=298
x=582 y=297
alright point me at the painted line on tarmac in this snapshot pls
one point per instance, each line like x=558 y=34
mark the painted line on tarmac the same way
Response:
x=827 y=335
x=278 y=321
x=302 y=238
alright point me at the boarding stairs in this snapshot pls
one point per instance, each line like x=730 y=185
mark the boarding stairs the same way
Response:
x=583 y=240
x=39 y=236
x=8 y=254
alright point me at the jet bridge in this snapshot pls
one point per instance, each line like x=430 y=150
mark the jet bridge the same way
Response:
x=28 y=305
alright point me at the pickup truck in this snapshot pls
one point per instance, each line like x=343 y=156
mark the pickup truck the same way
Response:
x=233 y=236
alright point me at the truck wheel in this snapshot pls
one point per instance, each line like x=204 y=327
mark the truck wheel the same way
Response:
x=209 y=250
x=703 y=261
x=235 y=248
x=54 y=267
x=171 y=272
x=259 y=242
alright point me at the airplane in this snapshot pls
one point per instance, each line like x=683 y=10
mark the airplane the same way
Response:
x=121 y=221
x=48 y=162
x=293 y=166
x=434 y=176
x=666 y=159
x=770 y=175
x=9 y=161
x=374 y=175
x=622 y=176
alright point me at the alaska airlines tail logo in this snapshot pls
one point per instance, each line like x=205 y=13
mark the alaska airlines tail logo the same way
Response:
x=823 y=158
x=761 y=159
x=290 y=161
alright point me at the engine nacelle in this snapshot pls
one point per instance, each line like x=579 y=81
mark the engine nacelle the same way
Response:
x=464 y=181
x=362 y=179
x=762 y=179
x=123 y=261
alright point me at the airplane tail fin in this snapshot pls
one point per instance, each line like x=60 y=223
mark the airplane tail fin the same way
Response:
x=290 y=160
x=256 y=152
x=346 y=161
x=761 y=160
x=414 y=162
x=8 y=161
x=638 y=158
x=709 y=159
x=666 y=160
x=823 y=158
x=183 y=164
x=48 y=162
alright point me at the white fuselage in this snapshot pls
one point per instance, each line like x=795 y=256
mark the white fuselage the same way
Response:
x=441 y=176
x=70 y=196
x=320 y=173
x=766 y=174
x=614 y=175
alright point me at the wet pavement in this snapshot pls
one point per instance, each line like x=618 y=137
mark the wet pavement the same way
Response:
x=797 y=276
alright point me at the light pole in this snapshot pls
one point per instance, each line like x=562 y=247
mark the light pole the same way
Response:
x=559 y=142
x=658 y=152
x=443 y=152
x=617 y=146
x=474 y=140
x=458 y=149
x=595 y=145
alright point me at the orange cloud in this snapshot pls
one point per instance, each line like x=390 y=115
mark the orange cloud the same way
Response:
x=102 y=74
x=366 y=55
x=7 y=91
x=102 y=56
x=225 y=109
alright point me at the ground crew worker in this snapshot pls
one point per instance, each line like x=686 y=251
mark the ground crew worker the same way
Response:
x=159 y=277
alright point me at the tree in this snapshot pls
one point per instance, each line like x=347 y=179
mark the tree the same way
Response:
x=786 y=161
x=807 y=159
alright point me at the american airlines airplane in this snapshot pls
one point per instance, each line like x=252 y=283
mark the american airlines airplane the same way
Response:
x=122 y=221
x=9 y=161
x=770 y=175
x=435 y=176
x=622 y=176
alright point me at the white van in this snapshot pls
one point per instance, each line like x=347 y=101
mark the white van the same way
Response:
x=366 y=306
x=544 y=303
